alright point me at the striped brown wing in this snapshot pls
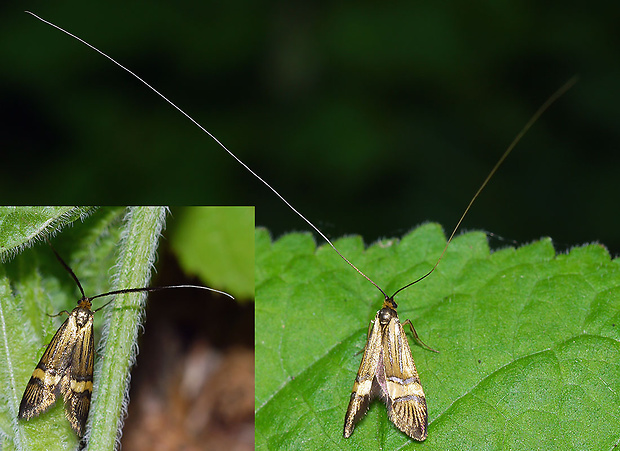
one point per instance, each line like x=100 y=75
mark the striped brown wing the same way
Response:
x=362 y=388
x=406 y=403
x=44 y=384
x=77 y=386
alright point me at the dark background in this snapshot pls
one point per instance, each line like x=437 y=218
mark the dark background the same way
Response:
x=369 y=119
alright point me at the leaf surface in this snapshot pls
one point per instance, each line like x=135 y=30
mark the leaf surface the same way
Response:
x=528 y=342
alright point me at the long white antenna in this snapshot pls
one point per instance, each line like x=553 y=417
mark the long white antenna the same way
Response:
x=527 y=126
x=212 y=137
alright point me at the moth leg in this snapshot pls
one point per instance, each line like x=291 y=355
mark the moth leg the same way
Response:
x=58 y=314
x=415 y=335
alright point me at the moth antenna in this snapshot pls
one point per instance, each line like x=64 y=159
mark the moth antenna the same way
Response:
x=69 y=270
x=316 y=229
x=540 y=111
x=128 y=290
x=555 y=96
x=150 y=289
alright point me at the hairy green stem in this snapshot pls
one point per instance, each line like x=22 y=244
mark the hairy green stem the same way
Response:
x=138 y=247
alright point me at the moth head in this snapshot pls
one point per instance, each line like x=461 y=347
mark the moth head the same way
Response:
x=390 y=303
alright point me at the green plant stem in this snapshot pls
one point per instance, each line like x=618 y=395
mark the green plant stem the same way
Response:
x=138 y=247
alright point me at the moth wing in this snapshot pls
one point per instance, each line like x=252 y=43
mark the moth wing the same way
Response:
x=363 y=386
x=406 y=403
x=45 y=383
x=77 y=386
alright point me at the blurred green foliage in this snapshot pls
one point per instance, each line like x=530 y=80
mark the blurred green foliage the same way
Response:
x=217 y=244
x=369 y=118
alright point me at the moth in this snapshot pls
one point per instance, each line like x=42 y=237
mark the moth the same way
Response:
x=388 y=372
x=387 y=369
x=66 y=367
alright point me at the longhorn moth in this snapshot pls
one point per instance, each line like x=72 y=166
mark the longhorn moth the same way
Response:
x=387 y=369
x=66 y=367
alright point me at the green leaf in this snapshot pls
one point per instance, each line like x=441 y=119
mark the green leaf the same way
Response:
x=217 y=244
x=21 y=226
x=528 y=342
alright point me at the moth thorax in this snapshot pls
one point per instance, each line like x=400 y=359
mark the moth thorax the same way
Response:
x=85 y=303
x=82 y=316
x=385 y=315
